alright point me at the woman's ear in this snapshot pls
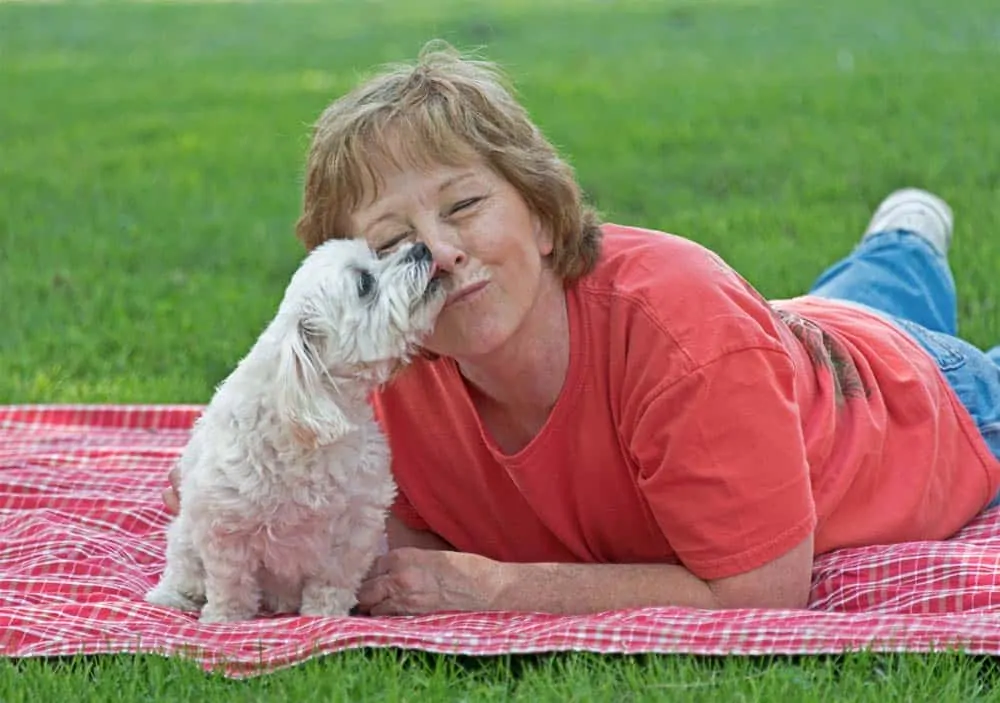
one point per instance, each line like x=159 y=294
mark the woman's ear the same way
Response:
x=543 y=235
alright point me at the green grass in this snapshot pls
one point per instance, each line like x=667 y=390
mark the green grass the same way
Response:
x=150 y=166
x=406 y=676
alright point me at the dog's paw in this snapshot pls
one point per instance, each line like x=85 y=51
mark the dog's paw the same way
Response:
x=327 y=602
x=210 y=614
x=170 y=598
x=280 y=603
x=324 y=611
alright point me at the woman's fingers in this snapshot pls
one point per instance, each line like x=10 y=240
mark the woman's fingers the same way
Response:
x=372 y=593
x=171 y=500
x=172 y=495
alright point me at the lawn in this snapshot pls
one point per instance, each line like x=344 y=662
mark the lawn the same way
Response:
x=150 y=168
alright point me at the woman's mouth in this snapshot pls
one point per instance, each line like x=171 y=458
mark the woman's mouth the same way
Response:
x=465 y=294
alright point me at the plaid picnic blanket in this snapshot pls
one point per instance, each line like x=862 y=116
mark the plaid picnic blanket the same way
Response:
x=82 y=540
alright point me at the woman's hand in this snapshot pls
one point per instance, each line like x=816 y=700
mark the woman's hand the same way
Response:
x=410 y=581
x=172 y=494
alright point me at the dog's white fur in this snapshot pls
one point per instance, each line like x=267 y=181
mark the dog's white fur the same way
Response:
x=285 y=482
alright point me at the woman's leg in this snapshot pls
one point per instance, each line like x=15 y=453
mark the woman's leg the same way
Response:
x=900 y=267
x=994 y=355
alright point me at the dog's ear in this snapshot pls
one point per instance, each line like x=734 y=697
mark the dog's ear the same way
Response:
x=306 y=397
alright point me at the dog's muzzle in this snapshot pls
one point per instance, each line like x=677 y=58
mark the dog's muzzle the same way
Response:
x=418 y=253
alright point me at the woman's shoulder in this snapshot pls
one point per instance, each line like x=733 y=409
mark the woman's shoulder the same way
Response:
x=646 y=259
x=665 y=270
x=647 y=279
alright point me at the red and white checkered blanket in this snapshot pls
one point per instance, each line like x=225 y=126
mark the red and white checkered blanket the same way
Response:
x=82 y=539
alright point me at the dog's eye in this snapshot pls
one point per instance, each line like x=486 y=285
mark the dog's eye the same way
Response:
x=366 y=284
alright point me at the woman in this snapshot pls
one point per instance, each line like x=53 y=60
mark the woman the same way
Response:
x=609 y=417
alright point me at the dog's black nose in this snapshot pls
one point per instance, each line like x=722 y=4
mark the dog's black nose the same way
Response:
x=419 y=252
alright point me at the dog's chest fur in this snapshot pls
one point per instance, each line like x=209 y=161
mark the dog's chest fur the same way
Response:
x=287 y=504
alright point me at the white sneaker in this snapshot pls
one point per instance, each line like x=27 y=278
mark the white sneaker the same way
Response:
x=917 y=211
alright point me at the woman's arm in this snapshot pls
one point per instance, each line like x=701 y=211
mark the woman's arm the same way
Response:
x=400 y=536
x=412 y=581
x=587 y=588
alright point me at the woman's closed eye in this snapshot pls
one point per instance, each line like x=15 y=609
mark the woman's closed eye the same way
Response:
x=463 y=205
x=391 y=244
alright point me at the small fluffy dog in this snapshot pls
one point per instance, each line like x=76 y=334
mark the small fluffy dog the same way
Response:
x=285 y=483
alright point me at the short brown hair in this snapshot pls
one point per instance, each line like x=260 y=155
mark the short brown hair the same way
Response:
x=442 y=109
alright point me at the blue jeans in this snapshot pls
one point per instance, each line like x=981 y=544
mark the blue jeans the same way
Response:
x=902 y=277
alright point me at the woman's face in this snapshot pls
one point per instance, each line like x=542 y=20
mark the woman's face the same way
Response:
x=487 y=243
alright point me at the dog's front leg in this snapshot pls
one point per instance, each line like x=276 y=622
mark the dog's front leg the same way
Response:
x=182 y=584
x=231 y=587
x=324 y=596
x=332 y=591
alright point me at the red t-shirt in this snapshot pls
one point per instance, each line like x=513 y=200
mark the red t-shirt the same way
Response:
x=699 y=424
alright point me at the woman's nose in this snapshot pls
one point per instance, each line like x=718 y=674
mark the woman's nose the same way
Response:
x=445 y=248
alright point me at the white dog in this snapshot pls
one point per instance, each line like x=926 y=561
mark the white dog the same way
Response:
x=285 y=483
